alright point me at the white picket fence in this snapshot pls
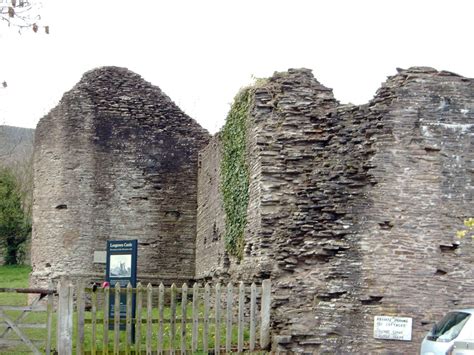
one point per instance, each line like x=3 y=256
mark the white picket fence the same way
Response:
x=175 y=319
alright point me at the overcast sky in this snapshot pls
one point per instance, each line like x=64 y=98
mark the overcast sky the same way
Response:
x=201 y=52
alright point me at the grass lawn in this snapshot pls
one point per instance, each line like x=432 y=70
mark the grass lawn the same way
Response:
x=17 y=277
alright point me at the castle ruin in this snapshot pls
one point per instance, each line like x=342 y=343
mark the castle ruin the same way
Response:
x=117 y=159
x=351 y=210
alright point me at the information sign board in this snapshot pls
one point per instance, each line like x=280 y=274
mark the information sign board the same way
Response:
x=392 y=328
x=122 y=269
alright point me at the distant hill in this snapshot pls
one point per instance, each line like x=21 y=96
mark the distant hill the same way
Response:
x=16 y=145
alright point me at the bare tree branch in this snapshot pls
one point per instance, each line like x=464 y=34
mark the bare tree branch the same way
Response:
x=21 y=14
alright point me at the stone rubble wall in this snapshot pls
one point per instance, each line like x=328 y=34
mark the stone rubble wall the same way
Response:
x=358 y=208
x=211 y=258
x=352 y=210
x=412 y=265
x=116 y=159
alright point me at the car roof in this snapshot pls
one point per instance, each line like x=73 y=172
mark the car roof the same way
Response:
x=465 y=310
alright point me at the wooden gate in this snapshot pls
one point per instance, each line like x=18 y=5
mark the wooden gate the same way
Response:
x=16 y=320
x=203 y=319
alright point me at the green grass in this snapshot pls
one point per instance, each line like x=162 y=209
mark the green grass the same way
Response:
x=17 y=277
x=14 y=277
x=166 y=333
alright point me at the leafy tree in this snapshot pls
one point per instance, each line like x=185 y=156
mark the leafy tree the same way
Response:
x=15 y=225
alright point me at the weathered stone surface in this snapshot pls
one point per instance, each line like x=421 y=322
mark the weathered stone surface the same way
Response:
x=354 y=208
x=210 y=252
x=116 y=159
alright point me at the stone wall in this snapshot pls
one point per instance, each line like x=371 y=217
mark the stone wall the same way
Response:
x=211 y=257
x=116 y=159
x=423 y=163
x=212 y=260
x=354 y=208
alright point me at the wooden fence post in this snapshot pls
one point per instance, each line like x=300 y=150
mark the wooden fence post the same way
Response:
x=253 y=315
x=65 y=312
x=80 y=304
x=49 y=320
x=105 y=334
x=195 y=314
x=240 y=341
x=265 y=314
x=184 y=299
x=172 y=319
x=217 y=305
x=205 y=331
x=117 y=318
x=228 y=317
x=94 y=323
x=65 y=317
x=128 y=320
x=149 y=317
x=161 y=327
x=138 y=319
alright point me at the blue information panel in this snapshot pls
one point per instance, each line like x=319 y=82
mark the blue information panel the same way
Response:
x=122 y=269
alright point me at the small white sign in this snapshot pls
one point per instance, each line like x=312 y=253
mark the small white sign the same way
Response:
x=100 y=257
x=392 y=328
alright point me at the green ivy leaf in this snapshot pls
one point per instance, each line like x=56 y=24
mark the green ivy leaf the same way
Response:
x=235 y=173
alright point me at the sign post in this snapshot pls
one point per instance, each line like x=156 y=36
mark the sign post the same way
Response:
x=122 y=269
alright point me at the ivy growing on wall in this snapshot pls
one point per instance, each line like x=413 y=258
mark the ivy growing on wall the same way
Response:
x=235 y=173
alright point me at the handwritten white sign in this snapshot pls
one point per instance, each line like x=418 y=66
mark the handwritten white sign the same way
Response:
x=392 y=328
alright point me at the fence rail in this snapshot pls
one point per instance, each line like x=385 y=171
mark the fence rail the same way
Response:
x=15 y=320
x=218 y=318
x=197 y=319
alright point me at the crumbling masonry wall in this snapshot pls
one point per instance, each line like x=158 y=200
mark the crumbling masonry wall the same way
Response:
x=354 y=208
x=116 y=159
x=212 y=260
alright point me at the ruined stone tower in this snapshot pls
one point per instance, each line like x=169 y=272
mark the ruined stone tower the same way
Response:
x=352 y=209
x=116 y=159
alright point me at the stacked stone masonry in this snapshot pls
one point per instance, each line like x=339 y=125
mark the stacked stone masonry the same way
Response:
x=116 y=159
x=357 y=207
x=352 y=210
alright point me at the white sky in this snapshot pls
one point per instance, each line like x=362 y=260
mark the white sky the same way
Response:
x=201 y=52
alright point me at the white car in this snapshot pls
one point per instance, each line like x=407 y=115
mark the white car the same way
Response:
x=463 y=347
x=453 y=327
